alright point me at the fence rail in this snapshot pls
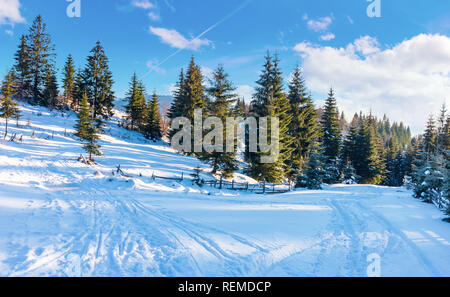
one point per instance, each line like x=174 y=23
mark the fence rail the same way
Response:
x=260 y=188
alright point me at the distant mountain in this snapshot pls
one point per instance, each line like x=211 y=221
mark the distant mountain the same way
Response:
x=164 y=102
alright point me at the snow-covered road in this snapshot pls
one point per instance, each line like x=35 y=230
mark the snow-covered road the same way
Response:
x=59 y=217
x=323 y=233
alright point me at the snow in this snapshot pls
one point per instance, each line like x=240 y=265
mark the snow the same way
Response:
x=60 y=217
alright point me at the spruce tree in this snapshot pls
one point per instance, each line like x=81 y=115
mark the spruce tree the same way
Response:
x=271 y=101
x=79 y=90
x=85 y=129
x=194 y=90
x=395 y=171
x=195 y=98
x=314 y=172
x=98 y=84
x=69 y=81
x=369 y=163
x=349 y=148
x=136 y=103
x=349 y=173
x=331 y=138
x=41 y=58
x=304 y=125
x=442 y=131
x=429 y=138
x=446 y=135
x=223 y=99
x=177 y=108
x=8 y=107
x=153 y=128
x=240 y=108
x=22 y=69
x=50 y=93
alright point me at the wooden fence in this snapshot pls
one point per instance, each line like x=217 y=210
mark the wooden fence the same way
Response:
x=260 y=188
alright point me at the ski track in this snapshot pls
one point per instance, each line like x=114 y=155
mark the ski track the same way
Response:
x=59 y=217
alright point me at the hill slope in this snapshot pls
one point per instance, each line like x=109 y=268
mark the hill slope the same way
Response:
x=60 y=217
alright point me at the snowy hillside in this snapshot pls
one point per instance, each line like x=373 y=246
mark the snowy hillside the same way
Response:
x=60 y=217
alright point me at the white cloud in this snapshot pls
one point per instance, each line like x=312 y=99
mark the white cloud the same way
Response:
x=246 y=92
x=350 y=20
x=320 y=25
x=407 y=82
x=153 y=65
x=327 y=37
x=367 y=45
x=207 y=72
x=9 y=32
x=10 y=12
x=154 y=16
x=176 y=40
x=145 y=4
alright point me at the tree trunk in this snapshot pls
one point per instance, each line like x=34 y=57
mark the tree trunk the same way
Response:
x=6 y=128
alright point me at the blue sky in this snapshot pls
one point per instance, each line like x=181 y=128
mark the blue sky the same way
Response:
x=335 y=42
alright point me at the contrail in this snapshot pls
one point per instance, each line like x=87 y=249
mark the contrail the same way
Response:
x=228 y=16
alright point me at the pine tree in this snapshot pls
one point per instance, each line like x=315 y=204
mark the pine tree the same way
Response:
x=429 y=179
x=395 y=171
x=177 y=108
x=331 y=138
x=349 y=173
x=304 y=125
x=314 y=172
x=271 y=101
x=194 y=92
x=442 y=131
x=429 y=138
x=22 y=69
x=50 y=93
x=195 y=98
x=446 y=135
x=79 y=90
x=369 y=163
x=8 y=107
x=41 y=58
x=349 y=148
x=85 y=129
x=153 y=128
x=240 y=108
x=69 y=81
x=223 y=98
x=98 y=84
x=136 y=103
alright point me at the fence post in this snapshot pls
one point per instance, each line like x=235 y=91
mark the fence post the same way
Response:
x=182 y=176
x=246 y=187
x=264 y=186
x=221 y=180
x=232 y=184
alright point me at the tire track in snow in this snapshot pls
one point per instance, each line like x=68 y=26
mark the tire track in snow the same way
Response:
x=233 y=262
x=350 y=225
x=413 y=247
